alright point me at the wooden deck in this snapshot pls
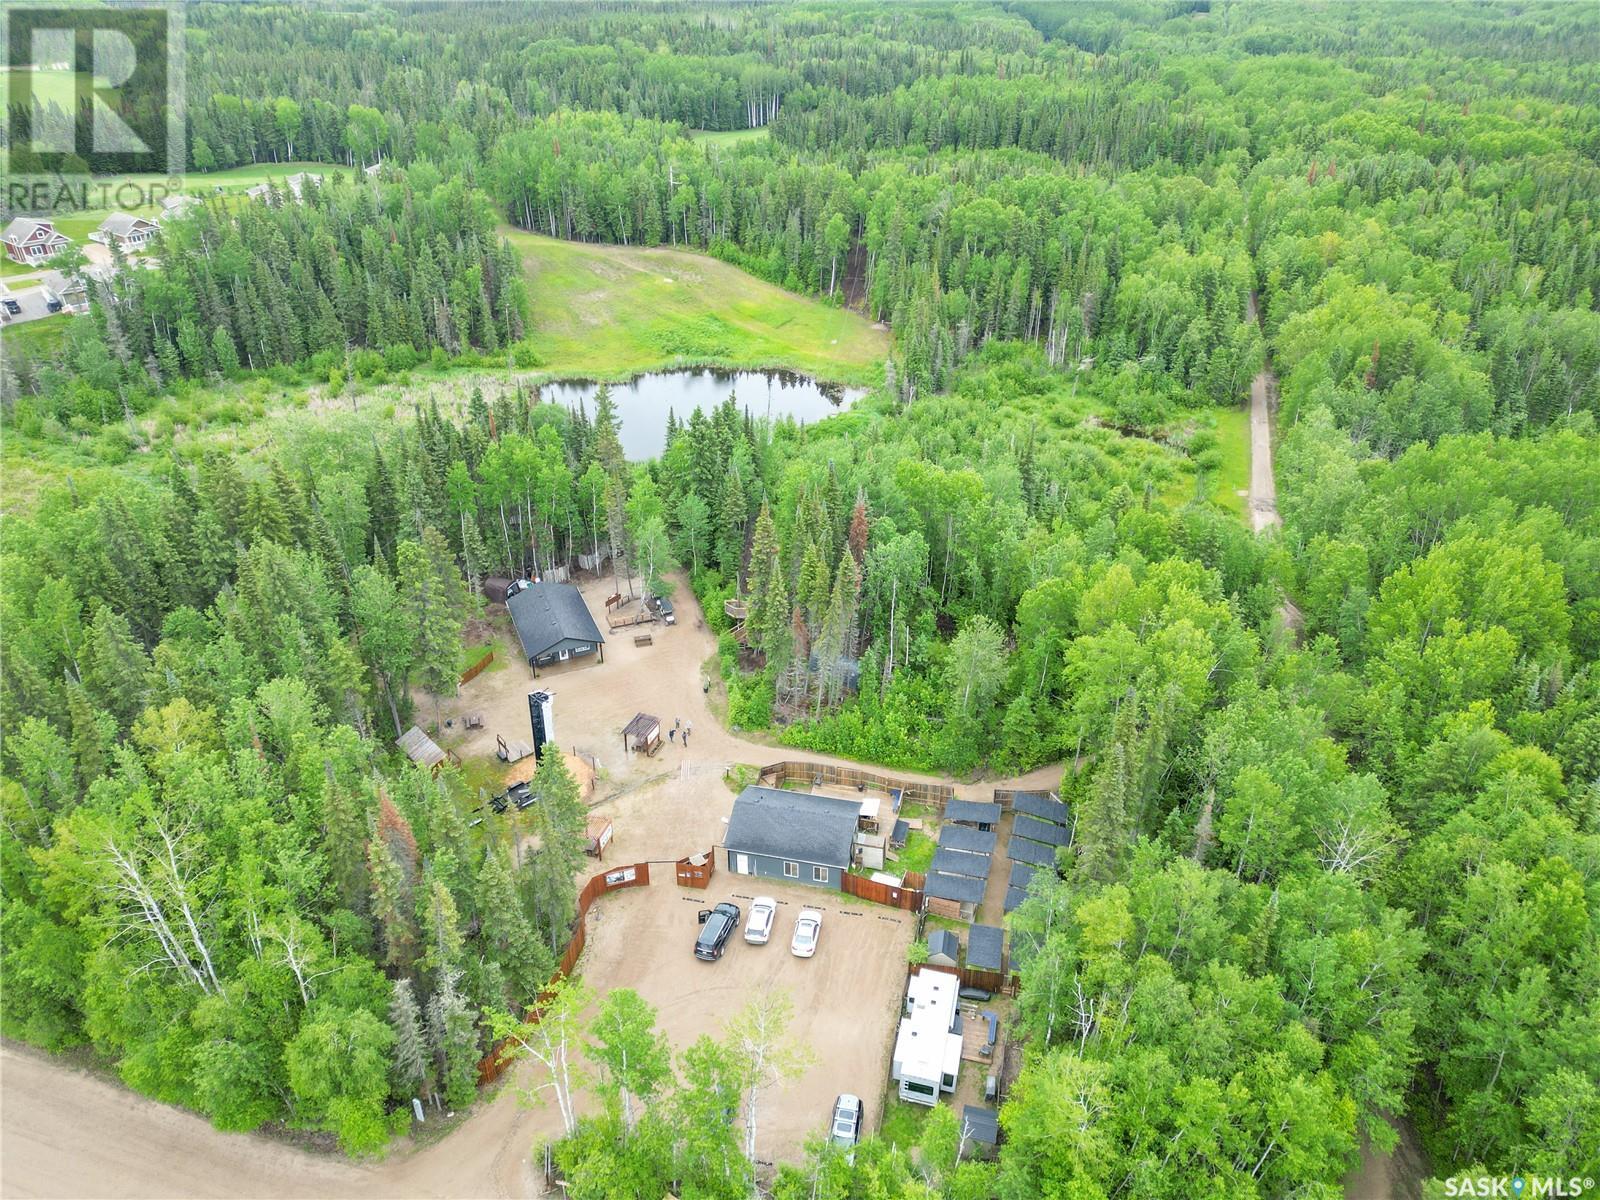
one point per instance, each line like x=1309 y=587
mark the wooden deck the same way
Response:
x=974 y=1035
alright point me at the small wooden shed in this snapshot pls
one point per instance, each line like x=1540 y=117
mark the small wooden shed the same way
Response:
x=422 y=749
x=642 y=733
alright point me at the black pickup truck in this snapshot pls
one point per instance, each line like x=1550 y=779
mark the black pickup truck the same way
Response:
x=716 y=927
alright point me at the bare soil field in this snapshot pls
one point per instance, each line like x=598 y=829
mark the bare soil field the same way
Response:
x=846 y=999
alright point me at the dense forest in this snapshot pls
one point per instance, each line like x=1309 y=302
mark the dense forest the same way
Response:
x=1336 y=787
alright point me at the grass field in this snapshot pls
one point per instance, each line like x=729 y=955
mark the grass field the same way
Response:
x=728 y=137
x=35 y=339
x=1233 y=479
x=610 y=312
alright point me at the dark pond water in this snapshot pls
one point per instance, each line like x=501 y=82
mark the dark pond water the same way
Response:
x=642 y=403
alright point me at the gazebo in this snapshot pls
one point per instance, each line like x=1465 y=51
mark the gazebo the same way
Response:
x=642 y=733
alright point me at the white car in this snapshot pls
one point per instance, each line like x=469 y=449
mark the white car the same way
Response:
x=763 y=916
x=807 y=929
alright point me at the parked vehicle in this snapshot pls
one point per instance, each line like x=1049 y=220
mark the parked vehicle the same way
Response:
x=668 y=617
x=716 y=927
x=847 y=1113
x=13 y=307
x=763 y=916
x=807 y=929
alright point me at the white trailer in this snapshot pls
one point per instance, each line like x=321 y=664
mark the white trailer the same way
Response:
x=927 y=1049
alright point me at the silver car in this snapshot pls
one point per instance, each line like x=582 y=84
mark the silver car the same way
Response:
x=763 y=916
x=807 y=930
x=846 y=1130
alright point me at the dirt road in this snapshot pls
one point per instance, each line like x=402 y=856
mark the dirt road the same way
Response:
x=1263 y=403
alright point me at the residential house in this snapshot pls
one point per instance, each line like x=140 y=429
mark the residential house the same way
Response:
x=174 y=207
x=927 y=1046
x=797 y=836
x=32 y=242
x=124 y=231
x=63 y=294
x=554 y=624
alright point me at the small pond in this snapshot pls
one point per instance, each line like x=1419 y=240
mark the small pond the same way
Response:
x=642 y=402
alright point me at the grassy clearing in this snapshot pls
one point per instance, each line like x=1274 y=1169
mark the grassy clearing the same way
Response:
x=35 y=339
x=1232 y=481
x=918 y=853
x=728 y=137
x=610 y=312
x=902 y=1123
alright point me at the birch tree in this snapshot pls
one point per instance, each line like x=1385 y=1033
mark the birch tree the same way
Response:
x=757 y=1037
x=550 y=1035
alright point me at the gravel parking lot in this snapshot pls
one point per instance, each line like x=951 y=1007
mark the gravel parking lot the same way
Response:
x=846 y=999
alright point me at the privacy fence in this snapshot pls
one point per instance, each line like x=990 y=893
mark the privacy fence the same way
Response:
x=811 y=774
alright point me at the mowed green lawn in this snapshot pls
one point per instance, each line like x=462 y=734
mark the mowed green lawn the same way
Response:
x=614 y=311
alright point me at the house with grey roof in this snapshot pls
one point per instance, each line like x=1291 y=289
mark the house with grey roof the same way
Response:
x=554 y=624
x=795 y=836
x=124 y=231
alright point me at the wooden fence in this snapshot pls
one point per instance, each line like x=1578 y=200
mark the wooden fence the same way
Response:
x=908 y=898
x=810 y=773
x=990 y=981
x=477 y=668
x=613 y=880
x=697 y=875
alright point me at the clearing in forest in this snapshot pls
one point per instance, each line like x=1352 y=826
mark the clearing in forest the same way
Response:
x=613 y=311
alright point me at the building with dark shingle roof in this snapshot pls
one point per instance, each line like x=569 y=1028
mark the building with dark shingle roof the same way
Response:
x=1041 y=805
x=1036 y=830
x=1022 y=874
x=972 y=812
x=1037 y=853
x=961 y=889
x=980 y=1128
x=964 y=837
x=797 y=836
x=958 y=862
x=944 y=948
x=1014 y=898
x=554 y=624
x=986 y=948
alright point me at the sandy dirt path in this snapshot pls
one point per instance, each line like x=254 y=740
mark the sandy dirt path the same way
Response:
x=67 y=1133
x=1263 y=404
